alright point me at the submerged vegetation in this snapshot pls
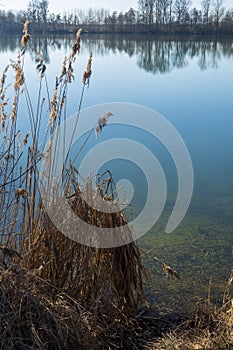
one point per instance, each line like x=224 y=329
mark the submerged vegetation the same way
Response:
x=56 y=293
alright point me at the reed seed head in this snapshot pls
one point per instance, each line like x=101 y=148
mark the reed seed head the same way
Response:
x=53 y=109
x=63 y=70
x=3 y=78
x=25 y=27
x=25 y=37
x=76 y=46
x=40 y=67
x=19 y=76
x=25 y=140
x=102 y=122
x=3 y=114
x=13 y=109
x=20 y=192
x=70 y=73
x=87 y=72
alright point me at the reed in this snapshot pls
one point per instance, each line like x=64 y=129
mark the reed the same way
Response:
x=55 y=293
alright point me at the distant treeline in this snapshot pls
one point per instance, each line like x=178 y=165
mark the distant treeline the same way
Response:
x=155 y=16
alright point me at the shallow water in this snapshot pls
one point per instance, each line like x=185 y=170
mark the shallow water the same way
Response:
x=189 y=82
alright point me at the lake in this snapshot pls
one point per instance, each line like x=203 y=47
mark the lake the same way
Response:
x=189 y=82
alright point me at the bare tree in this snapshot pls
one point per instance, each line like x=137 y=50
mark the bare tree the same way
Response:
x=150 y=6
x=196 y=17
x=218 y=11
x=205 y=5
x=181 y=10
x=130 y=16
x=38 y=10
x=162 y=11
x=33 y=10
x=146 y=9
x=43 y=10
x=100 y=16
x=142 y=10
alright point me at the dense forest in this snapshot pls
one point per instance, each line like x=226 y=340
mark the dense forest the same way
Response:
x=166 y=16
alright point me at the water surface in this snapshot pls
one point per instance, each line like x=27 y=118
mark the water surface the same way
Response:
x=189 y=81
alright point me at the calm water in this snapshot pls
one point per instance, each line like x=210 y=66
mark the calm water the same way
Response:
x=190 y=82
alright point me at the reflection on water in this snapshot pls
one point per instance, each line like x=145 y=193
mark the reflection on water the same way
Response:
x=153 y=54
x=196 y=96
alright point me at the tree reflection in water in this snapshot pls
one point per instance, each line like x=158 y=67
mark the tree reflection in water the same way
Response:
x=153 y=54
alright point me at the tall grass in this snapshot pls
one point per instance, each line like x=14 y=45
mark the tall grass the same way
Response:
x=55 y=293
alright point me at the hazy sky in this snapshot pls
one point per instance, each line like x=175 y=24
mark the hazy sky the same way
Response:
x=58 y=5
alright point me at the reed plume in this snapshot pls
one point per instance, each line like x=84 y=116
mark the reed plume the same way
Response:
x=25 y=37
x=87 y=72
x=76 y=46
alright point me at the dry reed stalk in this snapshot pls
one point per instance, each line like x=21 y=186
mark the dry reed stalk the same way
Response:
x=41 y=316
x=169 y=271
x=88 y=272
x=50 y=275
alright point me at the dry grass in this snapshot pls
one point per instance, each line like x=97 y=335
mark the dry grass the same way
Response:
x=36 y=315
x=56 y=293
x=210 y=328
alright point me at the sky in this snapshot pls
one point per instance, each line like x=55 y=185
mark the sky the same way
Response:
x=58 y=5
